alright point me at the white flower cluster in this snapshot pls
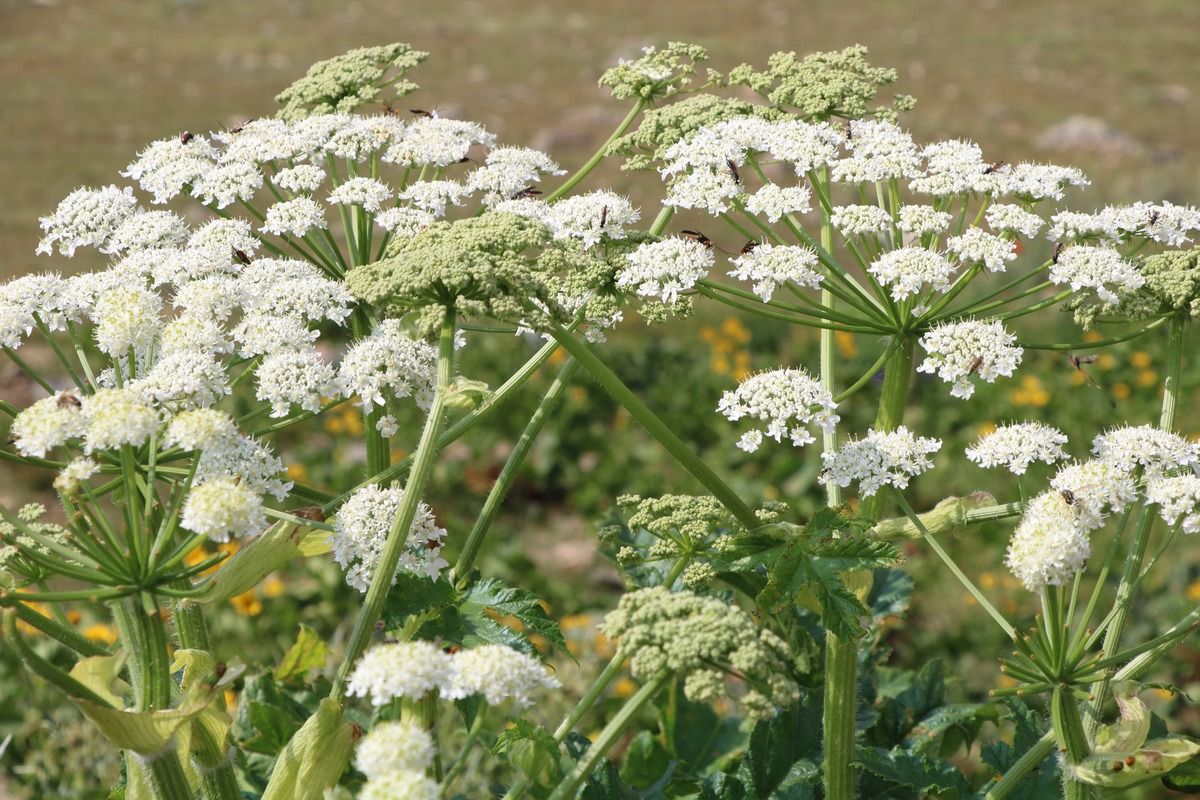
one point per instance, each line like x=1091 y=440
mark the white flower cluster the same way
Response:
x=1049 y=546
x=771 y=266
x=788 y=400
x=880 y=459
x=664 y=269
x=860 y=220
x=361 y=529
x=394 y=756
x=1018 y=445
x=881 y=151
x=977 y=246
x=1099 y=268
x=1154 y=450
x=907 y=269
x=413 y=669
x=958 y=350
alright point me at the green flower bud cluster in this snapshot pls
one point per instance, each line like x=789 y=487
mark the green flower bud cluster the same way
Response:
x=24 y=534
x=681 y=517
x=824 y=85
x=662 y=127
x=1174 y=278
x=703 y=641
x=658 y=73
x=341 y=84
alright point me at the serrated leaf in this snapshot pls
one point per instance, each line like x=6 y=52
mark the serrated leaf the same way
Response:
x=528 y=747
x=722 y=787
x=694 y=734
x=521 y=604
x=776 y=744
x=891 y=593
x=646 y=761
x=308 y=653
x=605 y=784
x=947 y=729
x=416 y=594
x=274 y=726
x=924 y=775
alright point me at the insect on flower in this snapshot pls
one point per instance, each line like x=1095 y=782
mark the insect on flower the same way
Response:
x=748 y=247
x=420 y=112
x=603 y=216
x=699 y=237
x=242 y=126
x=733 y=171
x=185 y=137
x=1154 y=215
x=68 y=400
x=241 y=256
x=1058 y=248
x=975 y=365
x=528 y=191
x=993 y=167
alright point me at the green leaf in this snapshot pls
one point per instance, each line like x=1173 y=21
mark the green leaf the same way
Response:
x=414 y=595
x=891 y=594
x=694 y=734
x=1184 y=778
x=264 y=704
x=926 y=776
x=946 y=730
x=605 y=784
x=494 y=596
x=723 y=787
x=903 y=700
x=776 y=744
x=315 y=758
x=307 y=654
x=528 y=747
x=275 y=728
x=646 y=761
x=808 y=570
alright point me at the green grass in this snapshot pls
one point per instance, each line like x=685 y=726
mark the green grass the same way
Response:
x=83 y=86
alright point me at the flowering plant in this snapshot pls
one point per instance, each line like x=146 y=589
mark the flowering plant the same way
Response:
x=368 y=249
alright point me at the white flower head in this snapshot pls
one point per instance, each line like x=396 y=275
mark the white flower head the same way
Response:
x=437 y=141
x=362 y=137
x=258 y=141
x=664 y=269
x=69 y=481
x=48 y=423
x=1176 y=497
x=1012 y=218
x=404 y=784
x=165 y=167
x=294 y=217
x=770 y=266
x=404 y=222
x=953 y=167
x=223 y=185
x=221 y=508
x=1049 y=546
x=200 y=429
x=498 y=673
x=1099 y=268
x=922 y=220
x=183 y=379
x=805 y=145
x=977 y=246
x=297 y=376
x=591 y=217
x=368 y=193
x=907 y=269
x=1154 y=449
x=148 y=230
x=879 y=459
x=432 y=196
x=788 y=400
x=218 y=240
x=1032 y=182
x=265 y=333
x=246 y=461
x=23 y=300
x=509 y=171
x=958 y=350
x=300 y=179
x=361 y=529
x=774 y=201
x=387 y=362
x=710 y=189
x=1018 y=445
x=87 y=218
x=127 y=318
x=394 y=746
x=407 y=669
x=1093 y=488
x=116 y=417
x=859 y=220
x=881 y=151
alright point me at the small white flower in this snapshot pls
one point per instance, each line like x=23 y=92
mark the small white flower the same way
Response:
x=23 y=298
x=978 y=246
x=405 y=784
x=953 y=167
x=200 y=429
x=394 y=746
x=223 y=507
x=48 y=423
x=709 y=189
x=664 y=269
x=437 y=141
x=498 y=673
x=183 y=379
x=405 y=222
x=774 y=201
x=306 y=178
x=387 y=362
x=1097 y=268
x=1155 y=450
x=127 y=318
x=1032 y=182
x=368 y=193
x=219 y=239
x=750 y=441
x=1018 y=445
x=244 y=459
x=259 y=141
x=788 y=400
x=265 y=333
x=881 y=151
x=1081 y=226
x=227 y=183
x=907 y=269
x=294 y=217
x=880 y=459
x=116 y=417
x=1010 y=218
x=770 y=266
x=407 y=669
x=804 y=145
x=859 y=220
x=165 y=167
x=71 y=479
x=87 y=218
x=958 y=350
x=589 y=217
x=922 y=220
x=510 y=170
x=1176 y=497
x=298 y=376
x=1094 y=487
x=148 y=230
x=1050 y=546
x=432 y=196
x=361 y=530
x=362 y=137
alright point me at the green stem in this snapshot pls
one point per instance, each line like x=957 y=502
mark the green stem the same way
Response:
x=841 y=679
x=608 y=737
x=600 y=154
x=464 y=750
x=423 y=463
x=164 y=773
x=655 y=426
x=144 y=639
x=897 y=377
x=43 y=668
x=1026 y=764
x=504 y=482
x=213 y=762
x=60 y=633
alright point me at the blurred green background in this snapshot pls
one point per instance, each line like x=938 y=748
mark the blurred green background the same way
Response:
x=1109 y=86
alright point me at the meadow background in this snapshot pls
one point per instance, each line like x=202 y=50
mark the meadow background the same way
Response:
x=1109 y=86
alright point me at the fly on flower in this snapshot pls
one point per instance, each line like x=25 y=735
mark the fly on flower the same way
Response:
x=1058 y=248
x=975 y=365
x=993 y=167
x=528 y=191
x=603 y=216
x=420 y=112
x=68 y=400
x=733 y=171
x=185 y=137
x=241 y=256
x=699 y=237
x=748 y=248
x=242 y=126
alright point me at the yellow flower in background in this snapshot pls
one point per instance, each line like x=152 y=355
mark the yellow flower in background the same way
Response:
x=626 y=687
x=1193 y=591
x=986 y=428
x=247 y=604
x=297 y=472
x=1030 y=393
x=847 y=345
x=100 y=632
x=273 y=586
x=1147 y=377
x=1121 y=391
x=1140 y=359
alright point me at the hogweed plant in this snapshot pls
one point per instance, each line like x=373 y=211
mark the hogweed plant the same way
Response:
x=352 y=251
